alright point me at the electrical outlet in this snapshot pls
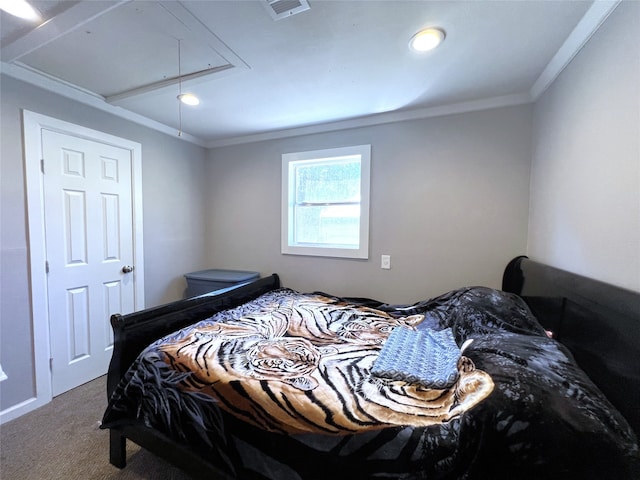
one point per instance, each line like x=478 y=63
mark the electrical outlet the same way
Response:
x=385 y=262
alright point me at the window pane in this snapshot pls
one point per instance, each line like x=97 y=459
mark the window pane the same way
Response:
x=329 y=182
x=334 y=225
x=325 y=202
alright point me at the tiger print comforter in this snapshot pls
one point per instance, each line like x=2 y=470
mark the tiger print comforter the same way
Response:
x=281 y=388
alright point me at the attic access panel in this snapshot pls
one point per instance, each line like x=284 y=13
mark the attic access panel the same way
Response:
x=133 y=49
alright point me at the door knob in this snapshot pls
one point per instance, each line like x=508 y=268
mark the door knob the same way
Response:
x=127 y=269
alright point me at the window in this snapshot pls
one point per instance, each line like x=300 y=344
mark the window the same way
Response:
x=325 y=202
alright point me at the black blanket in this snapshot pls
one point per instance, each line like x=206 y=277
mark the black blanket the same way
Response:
x=543 y=419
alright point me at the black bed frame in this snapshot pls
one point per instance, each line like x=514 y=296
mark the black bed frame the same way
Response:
x=134 y=331
x=599 y=323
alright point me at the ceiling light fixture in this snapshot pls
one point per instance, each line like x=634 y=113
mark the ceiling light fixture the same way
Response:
x=189 y=99
x=20 y=8
x=427 y=39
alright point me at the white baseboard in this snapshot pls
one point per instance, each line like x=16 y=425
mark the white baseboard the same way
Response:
x=21 y=408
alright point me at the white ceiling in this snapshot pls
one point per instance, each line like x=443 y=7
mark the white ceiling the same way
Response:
x=338 y=64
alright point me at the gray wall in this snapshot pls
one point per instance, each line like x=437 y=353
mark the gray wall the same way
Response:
x=449 y=203
x=173 y=190
x=585 y=180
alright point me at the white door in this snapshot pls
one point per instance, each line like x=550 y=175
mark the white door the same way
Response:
x=89 y=252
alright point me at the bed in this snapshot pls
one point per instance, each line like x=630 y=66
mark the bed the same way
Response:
x=537 y=380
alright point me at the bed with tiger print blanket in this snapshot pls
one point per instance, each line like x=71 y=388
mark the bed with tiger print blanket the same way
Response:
x=282 y=388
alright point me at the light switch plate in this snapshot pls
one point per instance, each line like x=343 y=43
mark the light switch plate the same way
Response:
x=385 y=262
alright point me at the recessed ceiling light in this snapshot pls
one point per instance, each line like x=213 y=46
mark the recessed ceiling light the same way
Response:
x=189 y=99
x=20 y=8
x=427 y=39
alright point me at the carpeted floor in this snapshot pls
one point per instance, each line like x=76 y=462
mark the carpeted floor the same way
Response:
x=62 y=441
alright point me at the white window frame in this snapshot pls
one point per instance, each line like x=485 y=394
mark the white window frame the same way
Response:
x=288 y=245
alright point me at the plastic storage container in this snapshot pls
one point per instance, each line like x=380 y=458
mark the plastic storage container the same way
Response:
x=206 y=281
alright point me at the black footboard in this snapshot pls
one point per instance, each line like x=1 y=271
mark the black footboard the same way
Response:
x=134 y=331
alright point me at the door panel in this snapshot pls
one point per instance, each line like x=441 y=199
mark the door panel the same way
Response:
x=89 y=238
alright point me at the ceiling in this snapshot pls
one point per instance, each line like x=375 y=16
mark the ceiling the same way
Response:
x=337 y=64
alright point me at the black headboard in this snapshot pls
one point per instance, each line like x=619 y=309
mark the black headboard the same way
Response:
x=598 y=322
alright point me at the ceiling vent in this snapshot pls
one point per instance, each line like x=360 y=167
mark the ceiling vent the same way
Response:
x=279 y=9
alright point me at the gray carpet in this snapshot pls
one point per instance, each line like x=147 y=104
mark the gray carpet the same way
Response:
x=62 y=441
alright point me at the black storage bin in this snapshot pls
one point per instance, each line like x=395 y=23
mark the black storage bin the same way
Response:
x=205 y=281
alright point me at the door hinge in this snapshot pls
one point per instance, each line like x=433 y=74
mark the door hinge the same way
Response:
x=46 y=266
x=42 y=165
x=51 y=364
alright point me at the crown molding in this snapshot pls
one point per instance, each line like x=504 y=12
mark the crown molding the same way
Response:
x=586 y=27
x=73 y=92
x=379 y=119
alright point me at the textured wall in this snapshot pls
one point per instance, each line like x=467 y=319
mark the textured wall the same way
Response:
x=585 y=178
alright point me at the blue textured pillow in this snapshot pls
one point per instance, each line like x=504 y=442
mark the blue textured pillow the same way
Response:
x=427 y=357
